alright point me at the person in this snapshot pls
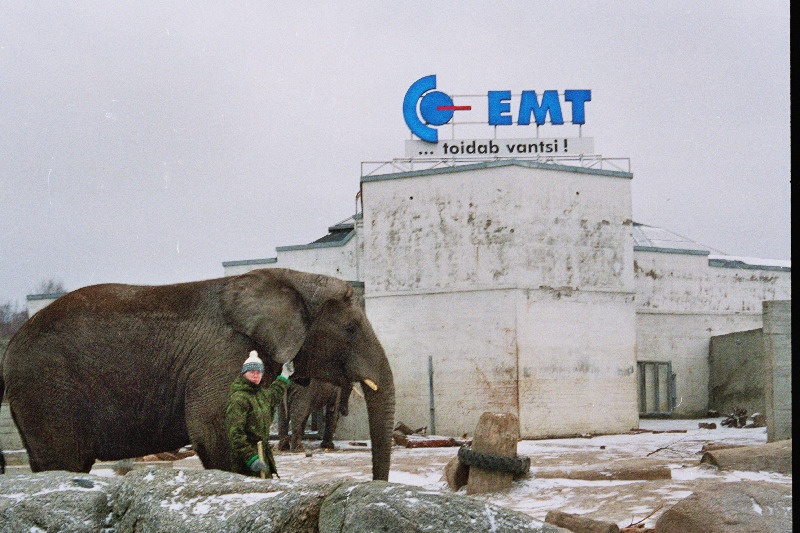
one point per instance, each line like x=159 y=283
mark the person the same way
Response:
x=249 y=413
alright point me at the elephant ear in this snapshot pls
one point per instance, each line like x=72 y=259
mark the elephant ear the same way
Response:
x=316 y=289
x=262 y=306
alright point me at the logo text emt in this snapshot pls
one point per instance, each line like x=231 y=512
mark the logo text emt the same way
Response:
x=424 y=107
x=500 y=106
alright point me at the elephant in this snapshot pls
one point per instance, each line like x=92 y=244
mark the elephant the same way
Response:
x=115 y=371
x=303 y=401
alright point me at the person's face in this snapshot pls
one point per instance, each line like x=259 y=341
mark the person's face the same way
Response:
x=254 y=376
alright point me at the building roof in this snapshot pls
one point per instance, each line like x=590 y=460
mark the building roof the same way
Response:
x=338 y=235
x=652 y=239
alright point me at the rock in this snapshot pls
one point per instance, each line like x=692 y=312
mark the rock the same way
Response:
x=55 y=501
x=580 y=524
x=759 y=420
x=707 y=425
x=496 y=434
x=212 y=501
x=742 y=506
x=613 y=470
x=456 y=474
x=203 y=500
x=383 y=506
x=770 y=457
x=719 y=446
x=609 y=474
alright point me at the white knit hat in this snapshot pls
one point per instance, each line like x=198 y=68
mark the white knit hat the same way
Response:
x=253 y=363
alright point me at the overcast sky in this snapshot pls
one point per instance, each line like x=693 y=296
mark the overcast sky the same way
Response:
x=147 y=142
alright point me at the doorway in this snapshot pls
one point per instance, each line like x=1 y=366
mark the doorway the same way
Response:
x=656 y=388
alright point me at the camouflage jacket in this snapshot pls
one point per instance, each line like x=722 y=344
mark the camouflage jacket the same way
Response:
x=248 y=416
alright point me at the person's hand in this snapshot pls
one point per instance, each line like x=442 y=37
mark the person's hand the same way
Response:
x=288 y=369
x=258 y=466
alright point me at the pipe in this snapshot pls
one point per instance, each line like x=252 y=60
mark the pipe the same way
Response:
x=430 y=386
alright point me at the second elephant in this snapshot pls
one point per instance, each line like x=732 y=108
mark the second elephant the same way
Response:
x=300 y=402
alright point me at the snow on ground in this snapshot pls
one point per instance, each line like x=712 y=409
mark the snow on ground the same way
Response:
x=623 y=502
x=675 y=444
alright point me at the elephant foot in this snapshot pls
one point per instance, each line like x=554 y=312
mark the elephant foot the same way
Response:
x=283 y=444
x=297 y=447
x=327 y=445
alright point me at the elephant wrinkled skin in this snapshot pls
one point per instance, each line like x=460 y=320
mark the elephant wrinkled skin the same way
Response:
x=117 y=371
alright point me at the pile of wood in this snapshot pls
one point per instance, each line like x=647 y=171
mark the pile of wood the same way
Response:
x=167 y=456
x=738 y=419
x=418 y=438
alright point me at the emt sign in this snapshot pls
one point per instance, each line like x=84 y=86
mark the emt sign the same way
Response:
x=424 y=108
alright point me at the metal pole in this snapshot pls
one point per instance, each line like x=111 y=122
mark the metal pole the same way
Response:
x=430 y=385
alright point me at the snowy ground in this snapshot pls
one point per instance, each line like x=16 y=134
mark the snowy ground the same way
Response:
x=623 y=502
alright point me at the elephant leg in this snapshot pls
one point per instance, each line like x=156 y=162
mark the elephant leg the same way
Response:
x=299 y=408
x=298 y=431
x=283 y=425
x=208 y=435
x=331 y=421
x=55 y=439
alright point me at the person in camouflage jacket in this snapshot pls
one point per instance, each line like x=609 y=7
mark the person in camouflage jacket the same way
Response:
x=249 y=414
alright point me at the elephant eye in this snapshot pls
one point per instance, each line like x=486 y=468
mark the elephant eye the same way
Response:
x=351 y=328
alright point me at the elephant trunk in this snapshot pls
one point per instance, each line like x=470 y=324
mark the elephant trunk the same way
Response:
x=380 y=410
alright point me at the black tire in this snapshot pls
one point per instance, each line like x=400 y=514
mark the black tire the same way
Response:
x=494 y=463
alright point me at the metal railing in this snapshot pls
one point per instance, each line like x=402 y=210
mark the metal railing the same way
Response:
x=397 y=165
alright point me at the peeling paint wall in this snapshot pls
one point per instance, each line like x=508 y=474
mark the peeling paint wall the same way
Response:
x=576 y=363
x=518 y=282
x=681 y=302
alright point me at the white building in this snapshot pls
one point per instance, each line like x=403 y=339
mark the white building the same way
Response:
x=526 y=287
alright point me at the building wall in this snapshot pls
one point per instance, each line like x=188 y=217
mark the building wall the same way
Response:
x=337 y=261
x=518 y=281
x=736 y=366
x=576 y=362
x=329 y=259
x=681 y=302
x=37 y=302
x=778 y=369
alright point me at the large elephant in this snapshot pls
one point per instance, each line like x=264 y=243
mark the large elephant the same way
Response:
x=303 y=401
x=117 y=371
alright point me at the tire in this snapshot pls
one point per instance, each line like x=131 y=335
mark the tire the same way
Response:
x=494 y=463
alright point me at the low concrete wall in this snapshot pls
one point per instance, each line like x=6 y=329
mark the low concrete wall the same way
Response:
x=778 y=369
x=9 y=436
x=736 y=372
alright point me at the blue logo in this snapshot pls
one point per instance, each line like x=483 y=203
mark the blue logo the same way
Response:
x=436 y=108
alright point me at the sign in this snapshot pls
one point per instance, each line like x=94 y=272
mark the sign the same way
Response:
x=505 y=148
x=424 y=108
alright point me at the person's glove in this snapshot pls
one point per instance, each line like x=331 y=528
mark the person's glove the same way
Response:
x=258 y=466
x=288 y=369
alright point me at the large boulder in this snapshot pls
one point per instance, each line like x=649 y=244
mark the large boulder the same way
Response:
x=770 y=457
x=206 y=500
x=383 y=506
x=199 y=501
x=55 y=501
x=741 y=506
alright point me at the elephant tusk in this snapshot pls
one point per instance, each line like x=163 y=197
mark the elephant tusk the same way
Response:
x=371 y=384
x=355 y=389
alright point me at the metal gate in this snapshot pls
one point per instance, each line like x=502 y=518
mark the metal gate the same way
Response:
x=656 y=388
